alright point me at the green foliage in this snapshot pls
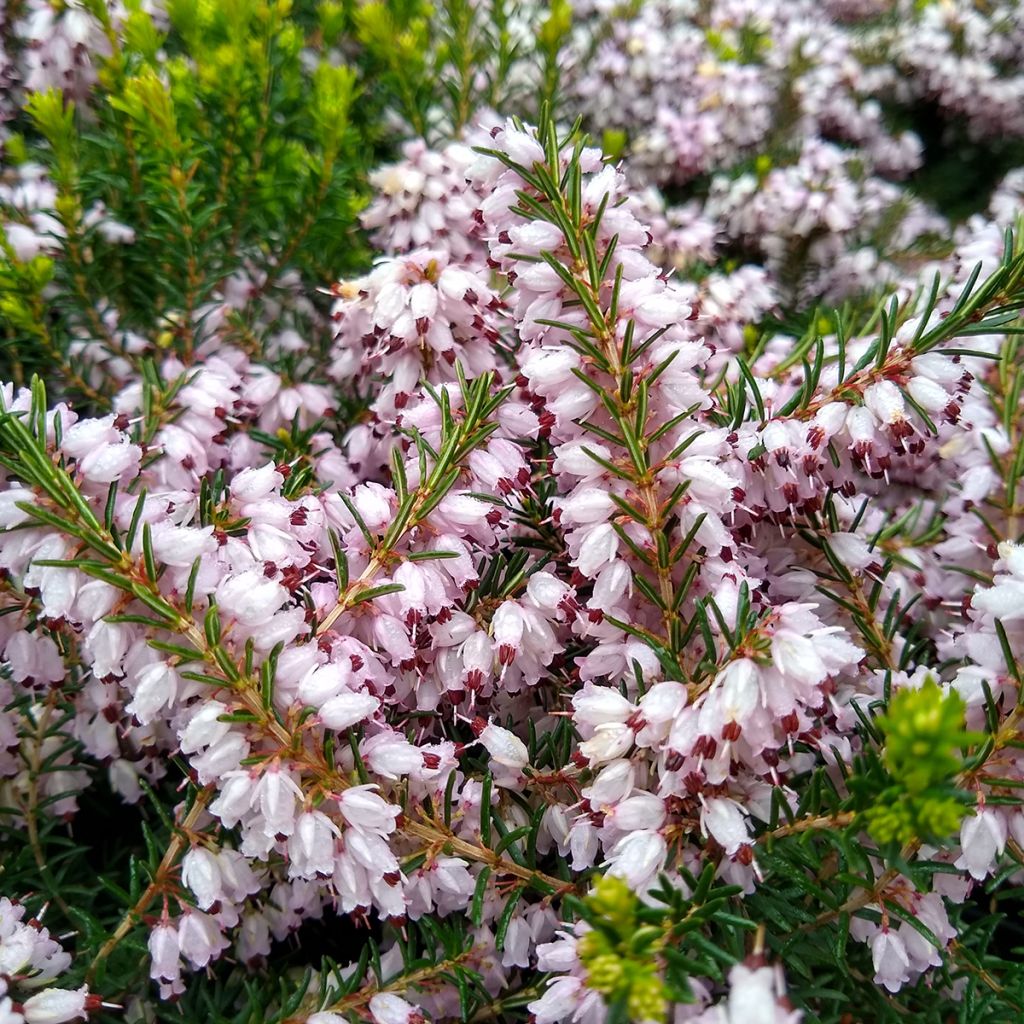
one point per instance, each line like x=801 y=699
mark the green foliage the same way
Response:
x=175 y=145
x=438 y=65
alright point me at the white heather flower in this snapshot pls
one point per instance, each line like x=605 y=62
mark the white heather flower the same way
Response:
x=238 y=879
x=165 y=963
x=507 y=625
x=182 y=545
x=724 y=821
x=390 y=754
x=87 y=435
x=851 y=550
x=277 y=793
x=890 y=959
x=201 y=873
x=755 y=997
x=587 y=506
x=56 y=1006
x=199 y=938
x=610 y=741
x=311 y=845
x=642 y=811
x=598 y=549
x=10 y=514
x=740 y=689
x=982 y=840
x=1012 y=556
x=237 y=794
x=251 y=598
x=387 y=1008
x=637 y=858
x=796 y=656
x=110 y=462
x=323 y=682
x=600 y=705
x=16 y=951
x=345 y=710
x=885 y=401
x=155 y=688
x=362 y=807
x=505 y=747
x=254 y=484
x=559 y=1002
x=611 y=784
x=205 y=727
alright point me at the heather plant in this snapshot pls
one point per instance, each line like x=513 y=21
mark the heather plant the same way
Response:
x=510 y=512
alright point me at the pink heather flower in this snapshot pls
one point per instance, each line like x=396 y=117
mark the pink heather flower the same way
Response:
x=463 y=289
x=424 y=199
x=34 y=658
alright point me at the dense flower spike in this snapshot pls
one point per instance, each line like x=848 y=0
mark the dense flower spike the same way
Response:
x=569 y=600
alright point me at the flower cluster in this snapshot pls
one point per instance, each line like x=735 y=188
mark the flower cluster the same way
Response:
x=563 y=601
x=30 y=961
x=782 y=109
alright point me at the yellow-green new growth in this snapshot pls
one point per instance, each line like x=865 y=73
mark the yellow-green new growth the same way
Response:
x=620 y=968
x=924 y=732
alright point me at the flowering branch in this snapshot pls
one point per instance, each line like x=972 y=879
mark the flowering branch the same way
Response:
x=458 y=439
x=180 y=839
